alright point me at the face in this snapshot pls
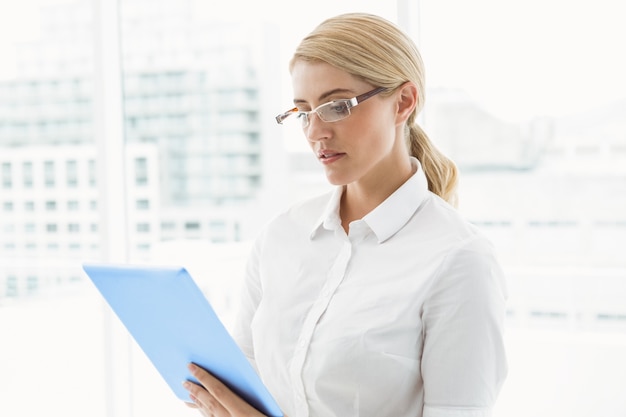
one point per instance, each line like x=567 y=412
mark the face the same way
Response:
x=363 y=148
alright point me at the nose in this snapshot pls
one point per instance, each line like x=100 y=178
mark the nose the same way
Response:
x=317 y=129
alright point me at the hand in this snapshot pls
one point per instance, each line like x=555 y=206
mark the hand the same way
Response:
x=214 y=399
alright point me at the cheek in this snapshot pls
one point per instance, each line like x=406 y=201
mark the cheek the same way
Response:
x=374 y=132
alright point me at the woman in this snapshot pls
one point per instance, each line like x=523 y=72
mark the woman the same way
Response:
x=378 y=299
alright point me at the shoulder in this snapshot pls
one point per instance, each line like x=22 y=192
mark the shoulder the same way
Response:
x=468 y=255
x=444 y=225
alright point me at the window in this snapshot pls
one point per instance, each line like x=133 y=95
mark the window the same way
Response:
x=143 y=204
x=141 y=171
x=11 y=289
x=72 y=205
x=32 y=284
x=165 y=226
x=71 y=170
x=49 y=174
x=92 y=172
x=7 y=181
x=143 y=247
x=51 y=205
x=192 y=226
x=27 y=174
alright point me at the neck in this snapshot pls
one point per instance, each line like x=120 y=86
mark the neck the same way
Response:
x=362 y=196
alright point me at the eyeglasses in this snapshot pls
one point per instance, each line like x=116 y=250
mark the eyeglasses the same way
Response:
x=332 y=111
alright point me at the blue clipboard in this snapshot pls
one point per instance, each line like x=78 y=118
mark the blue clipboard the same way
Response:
x=173 y=323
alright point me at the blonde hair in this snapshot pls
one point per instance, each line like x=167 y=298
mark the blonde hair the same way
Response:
x=380 y=53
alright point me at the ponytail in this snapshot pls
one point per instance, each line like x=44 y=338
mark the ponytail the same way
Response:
x=441 y=172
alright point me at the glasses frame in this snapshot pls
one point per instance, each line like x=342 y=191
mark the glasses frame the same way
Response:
x=350 y=103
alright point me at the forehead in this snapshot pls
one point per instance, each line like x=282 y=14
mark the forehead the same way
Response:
x=310 y=80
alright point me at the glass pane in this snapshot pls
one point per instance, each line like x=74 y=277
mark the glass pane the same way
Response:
x=51 y=328
x=195 y=168
x=529 y=100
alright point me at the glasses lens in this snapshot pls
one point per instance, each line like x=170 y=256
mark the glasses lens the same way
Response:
x=304 y=118
x=334 y=111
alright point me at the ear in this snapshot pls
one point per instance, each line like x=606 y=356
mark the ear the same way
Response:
x=407 y=97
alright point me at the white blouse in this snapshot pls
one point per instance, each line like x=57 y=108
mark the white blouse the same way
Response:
x=403 y=316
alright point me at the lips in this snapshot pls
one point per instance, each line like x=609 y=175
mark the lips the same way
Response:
x=324 y=154
x=328 y=156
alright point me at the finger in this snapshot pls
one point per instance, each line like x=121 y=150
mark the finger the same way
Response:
x=196 y=407
x=227 y=398
x=203 y=399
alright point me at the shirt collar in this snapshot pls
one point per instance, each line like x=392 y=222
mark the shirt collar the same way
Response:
x=389 y=217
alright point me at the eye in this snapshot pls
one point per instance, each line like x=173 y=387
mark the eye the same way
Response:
x=339 y=107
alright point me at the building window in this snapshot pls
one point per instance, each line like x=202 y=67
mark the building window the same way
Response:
x=51 y=205
x=93 y=205
x=217 y=226
x=94 y=227
x=29 y=228
x=51 y=228
x=143 y=227
x=29 y=206
x=141 y=171
x=92 y=172
x=48 y=172
x=73 y=227
x=72 y=205
x=7 y=182
x=11 y=286
x=7 y=206
x=27 y=174
x=168 y=226
x=143 y=247
x=192 y=226
x=71 y=171
x=143 y=204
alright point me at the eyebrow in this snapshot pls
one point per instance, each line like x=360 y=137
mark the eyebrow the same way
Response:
x=325 y=95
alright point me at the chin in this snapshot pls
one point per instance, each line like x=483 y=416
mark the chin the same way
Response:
x=337 y=180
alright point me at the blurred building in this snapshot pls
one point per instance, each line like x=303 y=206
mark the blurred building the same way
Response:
x=50 y=212
x=195 y=124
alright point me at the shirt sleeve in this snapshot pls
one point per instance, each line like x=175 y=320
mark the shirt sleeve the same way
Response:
x=250 y=298
x=464 y=361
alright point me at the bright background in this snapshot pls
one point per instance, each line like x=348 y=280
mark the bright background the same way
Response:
x=528 y=97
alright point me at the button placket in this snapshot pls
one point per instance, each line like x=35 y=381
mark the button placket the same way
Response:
x=335 y=277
